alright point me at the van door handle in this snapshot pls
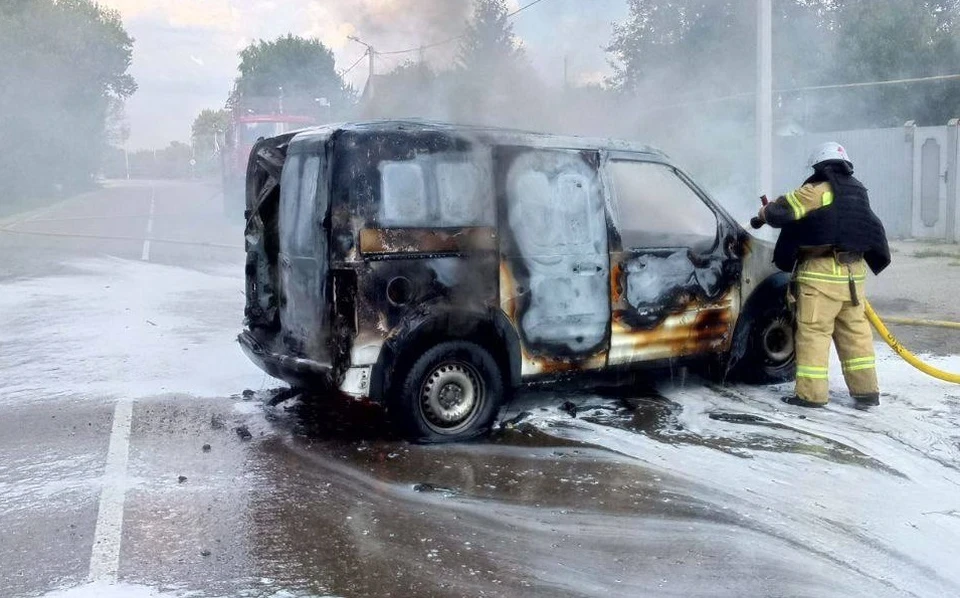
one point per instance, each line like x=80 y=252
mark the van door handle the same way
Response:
x=587 y=269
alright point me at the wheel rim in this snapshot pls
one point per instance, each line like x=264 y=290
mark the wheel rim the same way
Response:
x=451 y=396
x=778 y=342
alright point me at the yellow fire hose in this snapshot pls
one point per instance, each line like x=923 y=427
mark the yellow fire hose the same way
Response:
x=902 y=351
x=916 y=322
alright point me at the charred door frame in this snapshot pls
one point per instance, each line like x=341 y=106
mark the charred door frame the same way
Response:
x=413 y=285
x=515 y=275
x=694 y=318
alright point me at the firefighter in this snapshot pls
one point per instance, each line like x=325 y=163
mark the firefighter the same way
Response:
x=829 y=238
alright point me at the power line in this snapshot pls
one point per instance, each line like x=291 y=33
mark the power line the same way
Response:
x=458 y=37
x=750 y=94
x=426 y=47
x=354 y=65
x=871 y=83
x=523 y=8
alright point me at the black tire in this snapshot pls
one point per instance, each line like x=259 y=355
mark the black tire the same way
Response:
x=770 y=357
x=451 y=393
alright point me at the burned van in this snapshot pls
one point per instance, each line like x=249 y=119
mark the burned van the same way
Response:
x=436 y=267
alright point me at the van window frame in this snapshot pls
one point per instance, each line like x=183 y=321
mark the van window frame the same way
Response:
x=724 y=221
x=293 y=243
x=433 y=205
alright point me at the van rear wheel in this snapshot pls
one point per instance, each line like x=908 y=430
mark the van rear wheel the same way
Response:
x=451 y=393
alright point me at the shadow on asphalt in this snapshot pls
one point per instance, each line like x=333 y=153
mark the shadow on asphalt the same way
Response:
x=331 y=416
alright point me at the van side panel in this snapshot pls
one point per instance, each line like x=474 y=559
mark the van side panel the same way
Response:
x=304 y=257
x=413 y=224
x=554 y=271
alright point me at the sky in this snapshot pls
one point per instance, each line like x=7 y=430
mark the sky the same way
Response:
x=185 y=51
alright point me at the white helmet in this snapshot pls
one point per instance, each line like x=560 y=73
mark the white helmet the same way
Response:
x=829 y=151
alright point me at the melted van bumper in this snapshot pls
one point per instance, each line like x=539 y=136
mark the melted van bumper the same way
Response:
x=293 y=370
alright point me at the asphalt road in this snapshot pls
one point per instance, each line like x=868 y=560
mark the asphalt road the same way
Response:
x=137 y=456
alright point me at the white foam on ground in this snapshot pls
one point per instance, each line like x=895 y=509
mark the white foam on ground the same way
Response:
x=108 y=590
x=122 y=328
x=113 y=590
x=901 y=532
x=47 y=478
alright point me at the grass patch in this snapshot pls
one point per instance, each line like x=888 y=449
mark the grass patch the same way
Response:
x=12 y=207
x=955 y=264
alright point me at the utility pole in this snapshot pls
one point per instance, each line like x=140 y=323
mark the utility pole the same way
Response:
x=764 y=97
x=372 y=54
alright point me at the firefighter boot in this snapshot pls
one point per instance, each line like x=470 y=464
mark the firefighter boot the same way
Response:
x=795 y=400
x=865 y=402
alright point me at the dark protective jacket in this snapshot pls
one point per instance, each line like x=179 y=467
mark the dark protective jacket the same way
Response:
x=847 y=224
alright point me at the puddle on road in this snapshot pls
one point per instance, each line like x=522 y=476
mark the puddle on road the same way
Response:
x=365 y=513
x=355 y=510
x=518 y=464
x=518 y=455
x=658 y=418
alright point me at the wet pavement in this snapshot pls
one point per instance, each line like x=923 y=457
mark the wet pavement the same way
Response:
x=132 y=462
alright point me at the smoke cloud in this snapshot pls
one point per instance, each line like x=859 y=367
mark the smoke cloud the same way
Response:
x=186 y=52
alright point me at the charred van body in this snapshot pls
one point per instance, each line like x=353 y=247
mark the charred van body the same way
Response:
x=435 y=267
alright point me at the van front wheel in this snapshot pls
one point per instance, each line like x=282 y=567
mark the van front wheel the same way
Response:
x=771 y=356
x=452 y=393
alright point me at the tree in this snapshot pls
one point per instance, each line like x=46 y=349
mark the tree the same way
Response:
x=894 y=39
x=688 y=66
x=492 y=82
x=208 y=132
x=681 y=69
x=209 y=123
x=410 y=90
x=293 y=70
x=63 y=73
x=684 y=47
x=835 y=42
x=489 y=46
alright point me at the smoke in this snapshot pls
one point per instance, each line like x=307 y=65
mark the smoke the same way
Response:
x=689 y=87
x=689 y=94
x=186 y=52
x=392 y=24
x=673 y=105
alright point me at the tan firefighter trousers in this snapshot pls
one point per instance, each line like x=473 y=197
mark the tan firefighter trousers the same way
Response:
x=825 y=311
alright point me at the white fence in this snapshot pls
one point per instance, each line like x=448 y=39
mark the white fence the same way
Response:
x=911 y=173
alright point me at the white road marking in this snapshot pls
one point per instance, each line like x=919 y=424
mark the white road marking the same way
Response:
x=145 y=255
x=105 y=557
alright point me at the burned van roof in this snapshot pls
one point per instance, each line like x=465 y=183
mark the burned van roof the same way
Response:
x=306 y=139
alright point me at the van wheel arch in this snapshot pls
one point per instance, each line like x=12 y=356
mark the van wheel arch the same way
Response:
x=493 y=332
x=768 y=298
